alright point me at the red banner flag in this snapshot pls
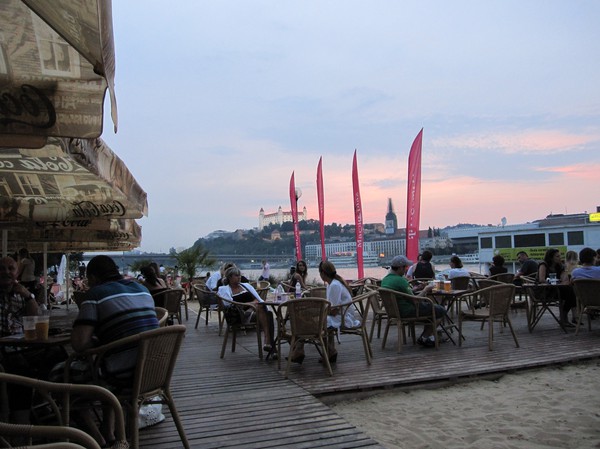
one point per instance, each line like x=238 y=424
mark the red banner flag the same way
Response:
x=294 y=203
x=413 y=198
x=321 y=202
x=358 y=219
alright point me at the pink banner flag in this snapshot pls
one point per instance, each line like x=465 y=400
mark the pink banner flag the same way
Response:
x=413 y=198
x=358 y=219
x=294 y=203
x=321 y=202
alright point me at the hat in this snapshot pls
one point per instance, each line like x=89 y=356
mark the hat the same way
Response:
x=401 y=261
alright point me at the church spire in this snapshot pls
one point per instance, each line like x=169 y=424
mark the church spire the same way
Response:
x=391 y=222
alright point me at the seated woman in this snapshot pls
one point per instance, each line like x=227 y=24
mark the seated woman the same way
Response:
x=151 y=281
x=456 y=268
x=424 y=269
x=300 y=274
x=552 y=265
x=497 y=266
x=235 y=290
x=338 y=293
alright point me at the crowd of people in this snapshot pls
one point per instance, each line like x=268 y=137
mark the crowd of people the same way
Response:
x=115 y=307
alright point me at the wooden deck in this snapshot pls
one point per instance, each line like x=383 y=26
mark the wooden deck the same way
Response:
x=241 y=401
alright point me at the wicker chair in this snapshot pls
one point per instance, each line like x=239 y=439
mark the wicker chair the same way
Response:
x=390 y=304
x=308 y=324
x=170 y=299
x=460 y=283
x=55 y=396
x=506 y=278
x=488 y=305
x=587 y=292
x=541 y=299
x=379 y=314
x=206 y=298
x=248 y=320
x=157 y=352
x=315 y=292
x=162 y=315
x=362 y=304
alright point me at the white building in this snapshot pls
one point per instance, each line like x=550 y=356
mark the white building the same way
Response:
x=383 y=248
x=278 y=217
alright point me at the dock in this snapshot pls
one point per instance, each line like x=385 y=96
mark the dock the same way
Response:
x=243 y=402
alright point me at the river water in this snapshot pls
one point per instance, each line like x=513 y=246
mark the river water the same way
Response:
x=347 y=273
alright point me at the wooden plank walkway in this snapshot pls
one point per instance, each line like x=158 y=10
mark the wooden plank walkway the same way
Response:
x=240 y=401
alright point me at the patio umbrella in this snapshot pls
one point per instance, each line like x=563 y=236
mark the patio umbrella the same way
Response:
x=56 y=63
x=67 y=179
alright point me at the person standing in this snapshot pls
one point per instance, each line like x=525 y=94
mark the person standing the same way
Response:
x=26 y=271
x=266 y=271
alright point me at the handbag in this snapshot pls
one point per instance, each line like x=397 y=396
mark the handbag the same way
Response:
x=233 y=315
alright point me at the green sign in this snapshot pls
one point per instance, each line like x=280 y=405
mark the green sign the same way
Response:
x=535 y=253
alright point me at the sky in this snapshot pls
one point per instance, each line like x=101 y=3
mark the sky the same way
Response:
x=220 y=101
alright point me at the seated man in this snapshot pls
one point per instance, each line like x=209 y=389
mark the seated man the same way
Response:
x=113 y=308
x=529 y=267
x=395 y=280
x=587 y=270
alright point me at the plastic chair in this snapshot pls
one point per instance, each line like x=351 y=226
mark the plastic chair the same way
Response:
x=157 y=352
x=308 y=324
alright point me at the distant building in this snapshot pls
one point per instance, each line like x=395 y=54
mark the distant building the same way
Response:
x=391 y=221
x=278 y=217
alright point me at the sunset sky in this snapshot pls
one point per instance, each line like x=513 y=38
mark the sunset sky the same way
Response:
x=220 y=101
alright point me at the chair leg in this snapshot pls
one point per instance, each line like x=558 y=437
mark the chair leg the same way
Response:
x=367 y=347
x=207 y=313
x=177 y=420
x=198 y=318
x=491 y=333
x=460 y=329
x=372 y=328
x=512 y=331
x=385 y=334
x=289 y=358
x=325 y=356
x=224 y=346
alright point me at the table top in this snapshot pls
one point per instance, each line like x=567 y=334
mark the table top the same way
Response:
x=449 y=292
x=19 y=340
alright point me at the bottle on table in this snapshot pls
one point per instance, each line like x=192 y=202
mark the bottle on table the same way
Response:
x=298 y=290
x=279 y=292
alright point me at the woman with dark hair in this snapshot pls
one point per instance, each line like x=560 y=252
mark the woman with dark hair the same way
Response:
x=338 y=293
x=456 y=268
x=552 y=265
x=300 y=275
x=424 y=268
x=151 y=281
x=236 y=290
x=497 y=266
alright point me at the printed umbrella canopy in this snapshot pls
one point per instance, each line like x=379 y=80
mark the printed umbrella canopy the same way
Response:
x=56 y=63
x=54 y=193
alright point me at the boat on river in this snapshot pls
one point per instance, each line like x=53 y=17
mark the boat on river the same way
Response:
x=344 y=259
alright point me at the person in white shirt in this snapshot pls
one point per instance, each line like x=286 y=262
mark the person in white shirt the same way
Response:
x=266 y=271
x=456 y=268
x=587 y=270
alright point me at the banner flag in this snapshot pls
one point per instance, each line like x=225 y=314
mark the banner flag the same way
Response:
x=358 y=219
x=294 y=204
x=321 y=202
x=413 y=198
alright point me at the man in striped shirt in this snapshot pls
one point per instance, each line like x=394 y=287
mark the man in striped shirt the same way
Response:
x=113 y=308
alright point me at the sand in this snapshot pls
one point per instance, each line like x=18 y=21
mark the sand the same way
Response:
x=555 y=407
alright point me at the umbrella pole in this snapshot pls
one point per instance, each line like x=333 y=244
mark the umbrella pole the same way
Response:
x=67 y=277
x=46 y=299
